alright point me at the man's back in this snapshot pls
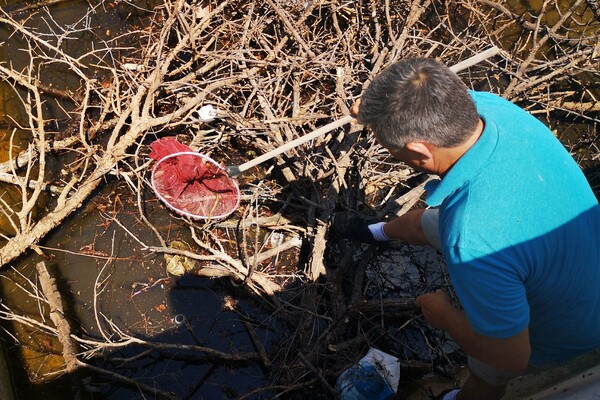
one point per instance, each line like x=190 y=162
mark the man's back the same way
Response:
x=521 y=231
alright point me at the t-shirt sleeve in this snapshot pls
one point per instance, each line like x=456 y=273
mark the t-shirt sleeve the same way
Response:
x=491 y=291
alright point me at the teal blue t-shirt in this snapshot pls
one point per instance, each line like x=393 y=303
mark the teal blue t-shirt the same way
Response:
x=520 y=229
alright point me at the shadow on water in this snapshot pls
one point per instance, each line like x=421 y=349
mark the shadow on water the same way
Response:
x=198 y=319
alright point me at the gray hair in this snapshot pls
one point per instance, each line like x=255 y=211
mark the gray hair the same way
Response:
x=418 y=99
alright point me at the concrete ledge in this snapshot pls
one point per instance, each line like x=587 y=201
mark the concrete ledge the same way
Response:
x=578 y=379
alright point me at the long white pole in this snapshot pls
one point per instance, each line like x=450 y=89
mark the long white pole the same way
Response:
x=236 y=170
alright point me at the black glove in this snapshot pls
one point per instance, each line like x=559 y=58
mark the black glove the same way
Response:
x=350 y=225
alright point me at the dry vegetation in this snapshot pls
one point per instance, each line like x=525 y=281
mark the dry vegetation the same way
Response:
x=275 y=70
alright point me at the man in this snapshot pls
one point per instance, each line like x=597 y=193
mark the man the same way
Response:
x=513 y=215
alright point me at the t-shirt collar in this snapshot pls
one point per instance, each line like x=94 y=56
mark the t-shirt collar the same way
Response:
x=465 y=168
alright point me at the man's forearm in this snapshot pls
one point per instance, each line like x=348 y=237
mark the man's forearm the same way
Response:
x=511 y=354
x=407 y=228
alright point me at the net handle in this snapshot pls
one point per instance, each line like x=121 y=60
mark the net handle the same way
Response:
x=238 y=169
x=477 y=58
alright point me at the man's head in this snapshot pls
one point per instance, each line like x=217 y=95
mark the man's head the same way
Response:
x=418 y=101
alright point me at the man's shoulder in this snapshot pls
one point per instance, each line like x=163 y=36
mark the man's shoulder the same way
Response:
x=504 y=114
x=489 y=98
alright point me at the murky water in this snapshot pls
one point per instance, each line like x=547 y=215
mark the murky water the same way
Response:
x=108 y=278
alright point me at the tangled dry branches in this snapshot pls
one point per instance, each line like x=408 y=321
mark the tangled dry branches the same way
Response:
x=275 y=70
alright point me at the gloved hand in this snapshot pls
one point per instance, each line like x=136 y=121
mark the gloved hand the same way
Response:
x=350 y=225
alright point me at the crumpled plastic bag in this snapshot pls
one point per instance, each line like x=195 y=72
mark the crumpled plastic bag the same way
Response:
x=374 y=377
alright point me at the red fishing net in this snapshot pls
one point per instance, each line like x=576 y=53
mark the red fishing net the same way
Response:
x=190 y=183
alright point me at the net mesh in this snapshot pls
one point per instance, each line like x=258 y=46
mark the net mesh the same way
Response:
x=190 y=183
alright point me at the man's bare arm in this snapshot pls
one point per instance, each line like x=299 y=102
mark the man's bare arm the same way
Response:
x=407 y=228
x=509 y=354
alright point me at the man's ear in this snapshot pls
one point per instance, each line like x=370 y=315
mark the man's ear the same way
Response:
x=422 y=152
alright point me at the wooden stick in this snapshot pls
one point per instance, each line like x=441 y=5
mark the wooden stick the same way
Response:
x=57 y=316
x=236 y=170
x=310 y=366
x=130 y=382
x=264 y=358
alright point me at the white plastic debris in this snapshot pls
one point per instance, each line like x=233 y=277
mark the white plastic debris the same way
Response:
x=179 y=319
x=202 y=12
x=374 y=377
x=132 y=67
x=207 y=113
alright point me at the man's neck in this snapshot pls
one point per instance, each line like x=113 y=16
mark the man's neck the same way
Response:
x=447 y=157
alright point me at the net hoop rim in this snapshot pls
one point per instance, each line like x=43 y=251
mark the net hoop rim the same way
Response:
x=186 y=213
